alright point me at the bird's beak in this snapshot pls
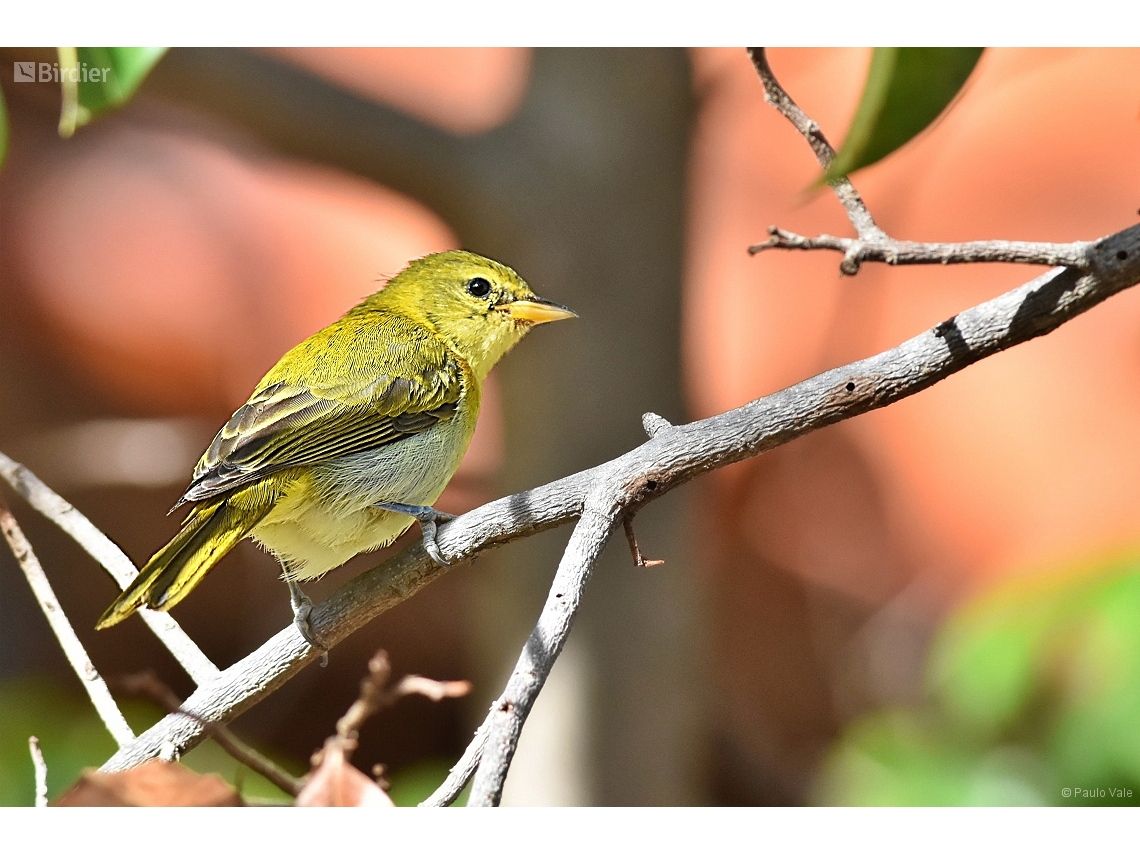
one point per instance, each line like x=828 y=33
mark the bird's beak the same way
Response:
x=536 y=311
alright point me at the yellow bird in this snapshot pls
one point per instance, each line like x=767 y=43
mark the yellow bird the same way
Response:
x=353 y=434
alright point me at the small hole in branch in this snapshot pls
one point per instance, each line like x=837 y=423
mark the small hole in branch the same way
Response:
x=652 y=485
x=1121 y=255
x=850 y=387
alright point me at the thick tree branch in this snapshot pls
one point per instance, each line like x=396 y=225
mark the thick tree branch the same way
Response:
x=112 y=559
x=775 y=95
x=81 y=663
x=672 y=457
x=508 y=714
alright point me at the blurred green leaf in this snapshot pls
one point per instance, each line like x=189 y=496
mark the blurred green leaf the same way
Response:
x=109 y=76
x=412 y=784
x=1034 y=687
x=983 y=666
x=906 y=90
x=71 y=736
x=900 y=758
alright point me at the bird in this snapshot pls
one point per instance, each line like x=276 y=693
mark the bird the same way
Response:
x=353 y=435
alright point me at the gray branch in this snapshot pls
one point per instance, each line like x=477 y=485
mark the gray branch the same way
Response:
x=112 y=559
x=508 y=714
x=73 y=649
x=673 y=456
x=890 y=251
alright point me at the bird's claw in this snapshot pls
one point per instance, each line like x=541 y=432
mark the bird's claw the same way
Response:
x=302 y=608
x=428 y=518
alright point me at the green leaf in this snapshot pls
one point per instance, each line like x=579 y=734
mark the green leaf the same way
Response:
x=906 y=90
x=109 y=76
x=891 y=758
x=1034 y=685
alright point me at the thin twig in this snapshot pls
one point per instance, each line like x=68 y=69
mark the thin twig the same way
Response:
x=97 y=690
x=635 y=550
x=41 y=771
x=775 y=95
x=333 y=780
x=112 y=559
x=149 y=685
x=460 y=773
x=433 y=690
x=671 y=458
x=890 y=251
x=367 y=704
x=376 y=695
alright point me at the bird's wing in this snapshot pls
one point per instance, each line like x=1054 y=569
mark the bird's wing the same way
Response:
x=361 y=389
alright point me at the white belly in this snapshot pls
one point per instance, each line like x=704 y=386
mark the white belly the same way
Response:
x=327 y=516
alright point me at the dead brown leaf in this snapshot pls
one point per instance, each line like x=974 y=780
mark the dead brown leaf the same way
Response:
x=155 y=783
x=335 y=782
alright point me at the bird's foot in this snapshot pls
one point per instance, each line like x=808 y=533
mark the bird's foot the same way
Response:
x=428 y=518
x=302 y=608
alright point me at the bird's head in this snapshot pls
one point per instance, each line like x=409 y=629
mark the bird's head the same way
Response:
x=482 y=308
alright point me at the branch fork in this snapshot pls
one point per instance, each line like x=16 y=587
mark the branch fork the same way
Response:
x=872 y=243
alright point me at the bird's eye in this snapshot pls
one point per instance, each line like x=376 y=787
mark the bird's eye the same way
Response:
x=478 y=287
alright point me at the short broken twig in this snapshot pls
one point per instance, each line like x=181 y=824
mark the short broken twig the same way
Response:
x=653 y=424
x=73 y=649
x=634 y=549
x=41 y=771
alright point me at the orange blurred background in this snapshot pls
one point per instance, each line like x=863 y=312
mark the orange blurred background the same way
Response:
x=156 y=265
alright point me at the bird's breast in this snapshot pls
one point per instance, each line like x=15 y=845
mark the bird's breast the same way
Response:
x=413 y=470
x=327 y=515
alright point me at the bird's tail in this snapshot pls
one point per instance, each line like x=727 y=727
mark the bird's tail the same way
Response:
x=211 y=530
